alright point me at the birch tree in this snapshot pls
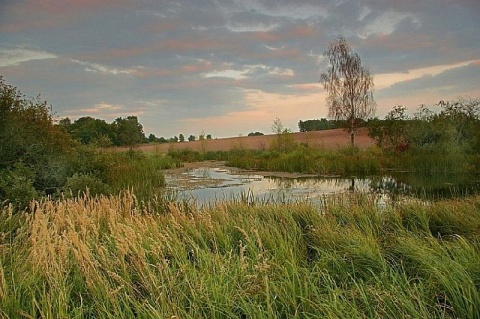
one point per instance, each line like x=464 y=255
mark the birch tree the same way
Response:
x=349 y=86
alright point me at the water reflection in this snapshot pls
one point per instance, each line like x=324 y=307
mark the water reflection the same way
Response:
x=213 y=184
x=427 y=186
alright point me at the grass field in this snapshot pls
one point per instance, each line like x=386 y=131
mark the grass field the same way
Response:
x=110 y=257
x=331 y=139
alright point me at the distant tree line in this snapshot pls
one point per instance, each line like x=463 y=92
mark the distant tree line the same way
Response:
x=87 y=130
x=319 y=125
x=121 y=132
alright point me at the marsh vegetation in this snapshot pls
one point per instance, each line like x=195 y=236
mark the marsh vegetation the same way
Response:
x=111 y=257
x=90 y=233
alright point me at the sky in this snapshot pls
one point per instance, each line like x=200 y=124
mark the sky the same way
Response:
x=231 y=67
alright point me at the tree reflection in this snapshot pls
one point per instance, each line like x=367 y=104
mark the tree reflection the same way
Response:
x=388 y=185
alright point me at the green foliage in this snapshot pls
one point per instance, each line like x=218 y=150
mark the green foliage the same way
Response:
x=392 y=131
x=304 y=159
x=88 y=130
x=122 y=132
x=105 y=172
x=191 y=138
x=284 y=141
x=17 y=185
x=319 y=125
x=38 y=158
x=431 y=142
x=255 y=134
x=129 y=131
x=78 y=184
x=32 y=148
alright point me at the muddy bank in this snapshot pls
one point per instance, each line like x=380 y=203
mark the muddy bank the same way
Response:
x=235 y=170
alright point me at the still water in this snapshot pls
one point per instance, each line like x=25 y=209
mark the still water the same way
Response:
x=209 y=184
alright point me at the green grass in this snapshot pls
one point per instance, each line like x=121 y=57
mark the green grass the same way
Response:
x=111 y=257
x=104 y=172
x=428 y=160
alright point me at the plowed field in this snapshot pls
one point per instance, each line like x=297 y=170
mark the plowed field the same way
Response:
x=328 y=139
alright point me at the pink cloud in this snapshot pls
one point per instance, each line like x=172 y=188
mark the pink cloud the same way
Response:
x=40 y=14
x=75 y=6
x=308 y=87
x=162 y=26
x=184 y=44
x=291 y=53
x=262 y=109
x=295 y=32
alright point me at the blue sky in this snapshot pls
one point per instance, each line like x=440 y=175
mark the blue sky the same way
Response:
x=231 y=67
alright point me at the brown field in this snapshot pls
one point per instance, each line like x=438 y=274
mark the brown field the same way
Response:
x=330 y=139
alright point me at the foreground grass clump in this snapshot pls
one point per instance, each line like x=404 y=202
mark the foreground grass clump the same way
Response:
x=110 y=257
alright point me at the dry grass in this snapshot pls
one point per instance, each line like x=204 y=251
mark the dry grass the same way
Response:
x=109 y=257
x=330 y=139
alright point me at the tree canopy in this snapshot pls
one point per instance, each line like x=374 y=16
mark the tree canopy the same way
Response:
x=31 y=146
x=318 y=125
x=349 y=86
x=123 y=131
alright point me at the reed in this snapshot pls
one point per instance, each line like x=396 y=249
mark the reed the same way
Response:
x=116 y=257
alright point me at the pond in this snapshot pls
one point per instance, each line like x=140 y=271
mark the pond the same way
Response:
x=209 y=184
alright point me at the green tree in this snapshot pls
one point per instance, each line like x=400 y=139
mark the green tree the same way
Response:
x=464 y=115
x=349 y=86
x=191 y=138
x=392 y=132
x=181 y=138
x=284 y=141
x=89 y=130
x=129 y=131
x=32 y=148
x=152 y=138
x=318 y=125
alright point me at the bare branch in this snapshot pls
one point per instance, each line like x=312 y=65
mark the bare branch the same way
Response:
x=349 y=86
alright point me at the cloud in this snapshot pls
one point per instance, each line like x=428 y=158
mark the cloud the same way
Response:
x=98 y=68
x=386 y=80
x=107 y=111
x=455 y=79
x=262 y=109
x=250 y=71
x=431 y=88
x=46 y=14
x=212 y=61
x=108 y=107
x=387 y=22
x=16 y=56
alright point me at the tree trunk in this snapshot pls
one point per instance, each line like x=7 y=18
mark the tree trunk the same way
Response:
x=352 y=185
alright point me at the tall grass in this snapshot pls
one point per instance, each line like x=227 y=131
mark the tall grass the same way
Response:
x=297 y=158
x=111 y=172
x=341 y=161
x=110 y=257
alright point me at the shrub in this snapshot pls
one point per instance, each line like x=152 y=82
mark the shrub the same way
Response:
x=85 y=183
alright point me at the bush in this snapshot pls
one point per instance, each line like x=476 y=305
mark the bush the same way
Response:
x=16 y=186
x=85 y=183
